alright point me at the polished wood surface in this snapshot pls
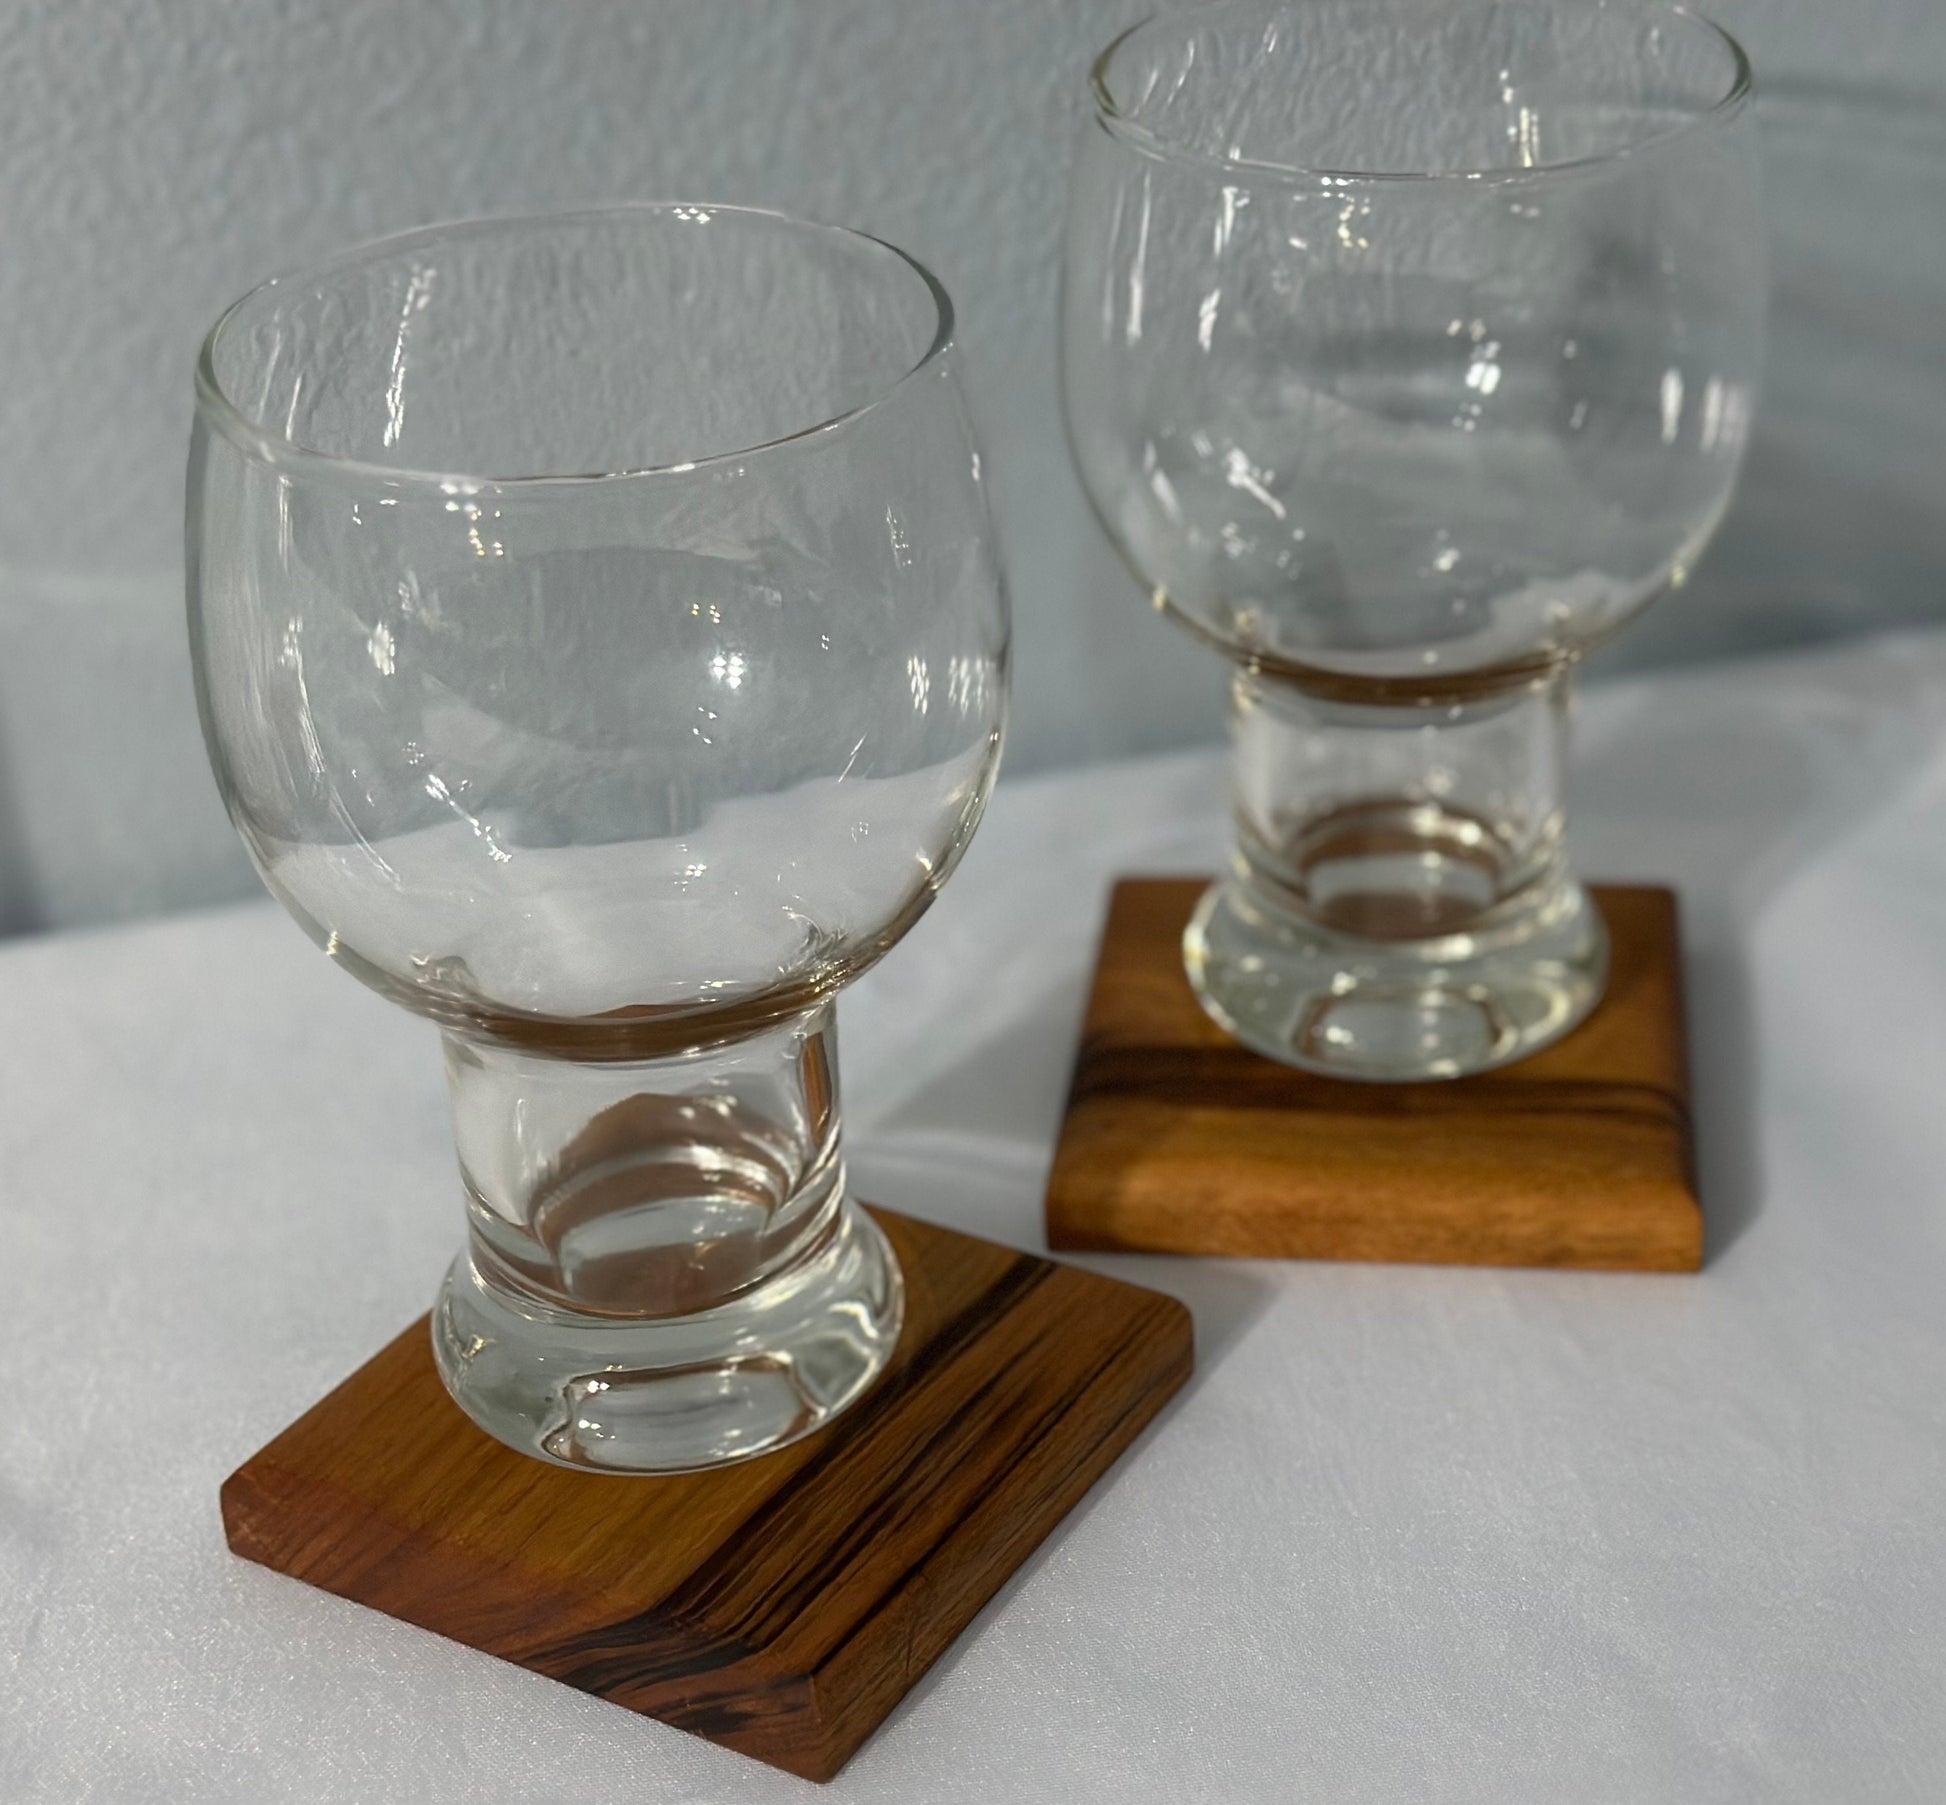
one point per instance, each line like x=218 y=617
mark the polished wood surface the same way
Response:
x=781 y=1606
x=1179 y=1140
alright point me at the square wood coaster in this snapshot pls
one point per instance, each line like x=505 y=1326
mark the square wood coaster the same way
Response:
x=1179 y=1140
x=781 y=1606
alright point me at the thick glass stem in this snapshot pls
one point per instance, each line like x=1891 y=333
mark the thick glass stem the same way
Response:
x=663 y=1270
x=648 y=1190
x=1399 y=905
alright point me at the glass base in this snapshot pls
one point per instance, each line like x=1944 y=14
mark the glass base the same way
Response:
x=676 y=1393
x=1396 y=1011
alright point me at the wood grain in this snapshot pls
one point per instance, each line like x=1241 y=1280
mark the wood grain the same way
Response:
x=782 y=1606
x=1179 y=1140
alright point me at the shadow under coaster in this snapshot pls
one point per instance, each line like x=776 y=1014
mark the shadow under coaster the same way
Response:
x=1179 y=1140
x=781 y=1606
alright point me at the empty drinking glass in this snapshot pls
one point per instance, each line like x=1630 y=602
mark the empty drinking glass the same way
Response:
x=1409 y=348
x=601 y=652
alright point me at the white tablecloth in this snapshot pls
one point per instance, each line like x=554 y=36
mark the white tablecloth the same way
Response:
x=1411 y=1534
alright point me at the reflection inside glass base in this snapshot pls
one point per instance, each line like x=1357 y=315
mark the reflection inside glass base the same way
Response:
x=1407 y=966
x=672 y=1395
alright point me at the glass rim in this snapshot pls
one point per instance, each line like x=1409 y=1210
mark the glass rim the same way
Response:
x=1110 y=116
x=268 y=444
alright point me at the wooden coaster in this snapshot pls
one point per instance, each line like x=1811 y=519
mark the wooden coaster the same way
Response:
x=782 y=1606
x=1179 y=1140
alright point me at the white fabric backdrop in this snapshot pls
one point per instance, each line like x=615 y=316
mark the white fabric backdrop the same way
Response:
x=1411 y=1535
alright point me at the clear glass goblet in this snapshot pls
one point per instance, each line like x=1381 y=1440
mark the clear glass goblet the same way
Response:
x=601 y=652
x=1408 y=349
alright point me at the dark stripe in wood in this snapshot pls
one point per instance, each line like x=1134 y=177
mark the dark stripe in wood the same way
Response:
x=1178 y=1140
x=890 y=1475
x=1037 y=1435
x=779 y=1606
x=1235 y=1078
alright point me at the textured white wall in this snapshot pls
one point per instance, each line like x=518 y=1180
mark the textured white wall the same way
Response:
x=158 y=156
